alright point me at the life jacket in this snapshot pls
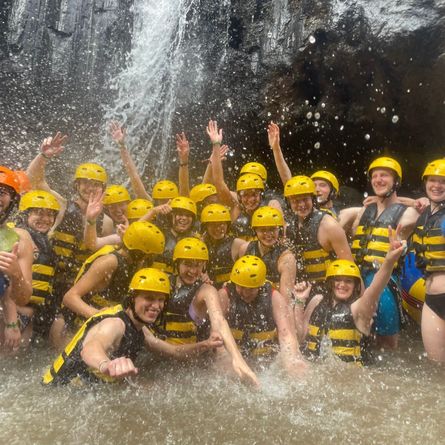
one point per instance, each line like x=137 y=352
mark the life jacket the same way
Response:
x=164 y=261
x=333 y=212
x=252 y=324
x=69 y=364
x=118 y=286
x=176 y=325
x=429 y=242
x=241 y=227
x=270 y=260
x=68 y=242
x=220 y=259
x=43 y=269
x=312 y=259
x=337 y=324
x=371 y=242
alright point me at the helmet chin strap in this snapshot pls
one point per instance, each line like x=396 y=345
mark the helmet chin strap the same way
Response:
x=133 y=311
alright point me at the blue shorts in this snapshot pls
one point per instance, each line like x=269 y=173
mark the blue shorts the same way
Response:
x=387 y=320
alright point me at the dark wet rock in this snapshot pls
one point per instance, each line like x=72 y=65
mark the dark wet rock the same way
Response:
x=344 y=78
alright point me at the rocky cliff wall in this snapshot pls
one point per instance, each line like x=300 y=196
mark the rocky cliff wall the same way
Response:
x=344 y=78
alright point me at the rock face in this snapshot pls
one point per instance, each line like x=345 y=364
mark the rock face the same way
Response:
x=345 y=79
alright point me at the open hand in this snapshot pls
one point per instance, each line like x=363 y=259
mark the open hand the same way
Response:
x=117 y=132
x=183 y=147
x=215 y=135
x=273 y=133
x=52 y=146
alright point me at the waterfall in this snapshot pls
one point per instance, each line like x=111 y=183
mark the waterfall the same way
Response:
x=147 y=90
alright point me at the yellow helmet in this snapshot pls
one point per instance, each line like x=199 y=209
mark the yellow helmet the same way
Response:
x=299 y=185
x=144 y=236
x=91 y=171
x=165 y=190
x=327 y=176
x=138 y=208
x=435 y=168
x=190 y=249
x=385 y=162
x=152 y=280
x=249 y=271
x=202 y=191
x=267 y=217
x=184 y=203
x=249 y=181
x=115 y=194
x=343 y=268
x=215 y=213
x=39 y=199
x=256 y=168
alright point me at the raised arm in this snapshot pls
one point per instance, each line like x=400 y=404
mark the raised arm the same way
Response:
x=118 y=134
x=364 y=308
x=50 y=148
x=273 y=132
x=287 y=267
x=208 y=174
x=224 y=193
x=183 y=148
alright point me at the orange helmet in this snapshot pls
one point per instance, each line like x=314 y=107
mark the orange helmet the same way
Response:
x=9 y=178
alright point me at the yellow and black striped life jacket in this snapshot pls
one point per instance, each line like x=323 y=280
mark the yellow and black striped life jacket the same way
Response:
x=312 y=259
x=68 y=242
x=176 y=326
x=241 y=228
x=69 y=364
x=117 y=288
x=220 y=259
x=252 y=324
x=337 y=323
x=371 y=243
x=429 y=242
x=43 y=269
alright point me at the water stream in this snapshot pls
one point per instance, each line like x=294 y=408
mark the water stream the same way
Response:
x=148 y=88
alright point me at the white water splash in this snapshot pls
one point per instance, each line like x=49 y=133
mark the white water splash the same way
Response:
x=147 y=89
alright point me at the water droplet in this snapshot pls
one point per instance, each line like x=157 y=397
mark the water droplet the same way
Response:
x=309 y=115
x=269 y=34
x=342 y=128
x=317 y=145
x=365 y=194
x=317 y=115
x=367 y=136
x=306 y=102
x=395 y=119
x=312 y=39
x=383 y=110
x=269 y=114
x=323 y=105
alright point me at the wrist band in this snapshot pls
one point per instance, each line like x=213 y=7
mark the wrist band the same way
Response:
x=91 y=222
x=45 y=156
x=216 y=143
x=12 y=325
x=183 y=164
x=300 y=302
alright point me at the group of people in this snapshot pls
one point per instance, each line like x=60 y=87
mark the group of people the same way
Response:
x=240 y=276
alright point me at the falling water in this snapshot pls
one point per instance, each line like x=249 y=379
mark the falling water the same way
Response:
x=147 y=90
